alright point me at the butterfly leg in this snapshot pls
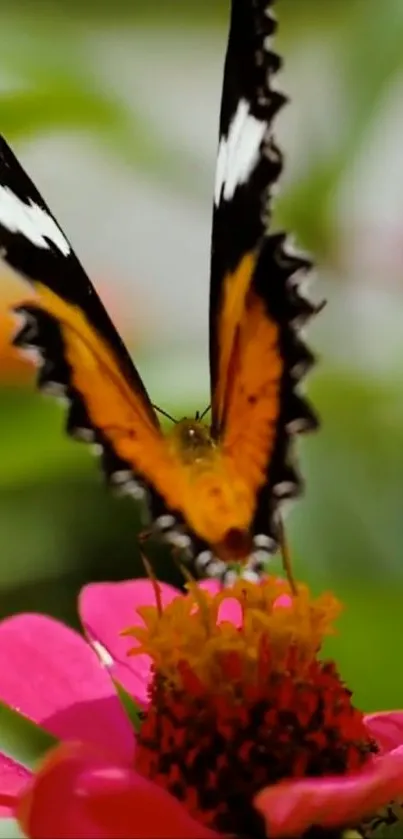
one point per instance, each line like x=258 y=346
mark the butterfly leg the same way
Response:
x=203 y=566
x=286 y=558
x=177 y=540
x=154 y=582
x=143 y=537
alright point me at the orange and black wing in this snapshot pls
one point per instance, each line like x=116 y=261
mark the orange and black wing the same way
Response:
x=257 y=357
x=81 y=355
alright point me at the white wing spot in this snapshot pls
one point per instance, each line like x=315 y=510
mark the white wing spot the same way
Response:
x=31 y=221
x=165 y=522
x=238 y=152
x=263 y=542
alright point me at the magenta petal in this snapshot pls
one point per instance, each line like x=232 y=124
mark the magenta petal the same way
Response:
x=291 y=807
x=51 y=674
x=212 y=586
x=77 y=793
x=106 y=609
x=52 y=805
x=386 y=727
x=283 y=602
x=230 y=610
x=124 y=803
x=13 y=777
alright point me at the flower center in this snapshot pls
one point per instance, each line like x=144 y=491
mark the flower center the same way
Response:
x=238 y=704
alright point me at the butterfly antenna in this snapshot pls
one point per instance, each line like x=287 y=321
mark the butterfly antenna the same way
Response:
x=286 y=559
x=201 y=416
x=164 y=414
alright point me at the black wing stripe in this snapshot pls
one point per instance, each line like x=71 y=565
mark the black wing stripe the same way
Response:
x=33 y=245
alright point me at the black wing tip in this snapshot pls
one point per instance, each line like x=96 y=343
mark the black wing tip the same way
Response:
x=6 y=152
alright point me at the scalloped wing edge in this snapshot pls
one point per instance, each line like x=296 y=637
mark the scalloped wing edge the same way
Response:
x=284 y=480
x=38 y=333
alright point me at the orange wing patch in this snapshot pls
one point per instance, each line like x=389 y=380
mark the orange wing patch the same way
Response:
x=253 y=394
x=207 y=491
x=112 y=405
x=236 y=285
x=247 y=399
x=213 y=492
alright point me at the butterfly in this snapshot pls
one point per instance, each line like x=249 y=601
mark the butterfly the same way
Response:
x=213 y=490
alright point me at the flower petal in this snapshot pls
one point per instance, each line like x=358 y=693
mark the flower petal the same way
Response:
x=76 y=793
x=51 y=804
x=290 y=808
x=230 y=610
x=212 y=586
x=284 y=601
x=386 y=727
x=106 y=609
x=13 y=778
x=50 y=674
x=125 y=804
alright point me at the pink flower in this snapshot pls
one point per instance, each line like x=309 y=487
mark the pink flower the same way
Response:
x=291 y=807
x=52 y=675
x=94 y=785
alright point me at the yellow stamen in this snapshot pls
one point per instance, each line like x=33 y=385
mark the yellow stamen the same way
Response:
x=187 y=631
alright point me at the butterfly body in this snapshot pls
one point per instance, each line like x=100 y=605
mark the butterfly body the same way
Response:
x=192 y=441
x=213 y=489
x=213 y=501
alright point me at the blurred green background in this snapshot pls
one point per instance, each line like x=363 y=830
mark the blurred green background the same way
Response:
x=113 y=110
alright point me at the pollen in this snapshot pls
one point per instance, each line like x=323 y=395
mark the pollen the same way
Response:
x=237 y=705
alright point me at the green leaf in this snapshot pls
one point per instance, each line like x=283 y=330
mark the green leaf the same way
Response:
x=133 y=710
x=21 y=739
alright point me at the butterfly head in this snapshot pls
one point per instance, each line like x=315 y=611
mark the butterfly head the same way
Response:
x=192 y=440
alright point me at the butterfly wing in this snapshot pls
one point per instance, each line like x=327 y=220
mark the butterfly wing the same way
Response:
x=33 y=244
x=82 y=355
x=256 y=308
